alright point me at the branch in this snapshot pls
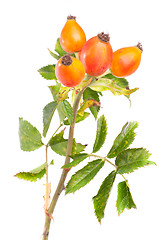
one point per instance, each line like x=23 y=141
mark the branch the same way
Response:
x=60 y=186
x=47 y=183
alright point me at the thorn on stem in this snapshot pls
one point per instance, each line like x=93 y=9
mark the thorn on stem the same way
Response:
x=67 y=169
x=45 y=234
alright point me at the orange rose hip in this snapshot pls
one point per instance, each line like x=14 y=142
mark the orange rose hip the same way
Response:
x=72 y=36
x=126 y=60
x=69 y=71
x=96 y=54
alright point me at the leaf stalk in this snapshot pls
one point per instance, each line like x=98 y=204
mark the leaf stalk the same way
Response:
x=107 y=160
x=104 y=159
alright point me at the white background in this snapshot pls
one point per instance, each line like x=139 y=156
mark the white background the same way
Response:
x=28 y=28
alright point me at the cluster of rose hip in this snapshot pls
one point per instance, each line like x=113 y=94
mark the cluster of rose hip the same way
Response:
x=94 y=56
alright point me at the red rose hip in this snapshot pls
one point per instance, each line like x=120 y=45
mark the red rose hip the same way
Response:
x=96 y=55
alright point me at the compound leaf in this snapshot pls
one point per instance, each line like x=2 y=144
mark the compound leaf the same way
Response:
x=48 y=72
x=132 y=159
x=100 y=200
x=48 y=112
x=124 y=198
x=84 y=176
x=100 y=134
x=124 y=139
x=30 y=137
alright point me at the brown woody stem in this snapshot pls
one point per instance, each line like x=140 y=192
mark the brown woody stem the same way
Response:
x=47 y=182
x=60 y=186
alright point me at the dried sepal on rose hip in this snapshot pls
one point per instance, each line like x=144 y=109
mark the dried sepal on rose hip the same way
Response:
x=69 y=71
x=96 y=55
x=72 y=36
x=126 y=60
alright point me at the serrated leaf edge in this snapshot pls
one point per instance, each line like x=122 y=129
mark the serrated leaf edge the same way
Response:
x=147 y=162
x=69 y=165
x=123 y=128
x=127 y=186
x=95 y=148
x=39 y=144
x=44 y=72
x=101 y=163
x=49 y=120
x=99 y=219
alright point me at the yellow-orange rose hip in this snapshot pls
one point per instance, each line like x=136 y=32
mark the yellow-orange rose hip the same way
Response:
x=126 y=60
x=69 y=71
x=72 y=36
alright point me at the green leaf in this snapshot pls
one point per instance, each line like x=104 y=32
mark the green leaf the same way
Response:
x=100 y=200
x=63 y=93
x=52 y=162
x=60 y=112
x=48 y=72
x=124 y=139
x=30 y=137
x=84 y=176
x=67 y=110
x=59 y=49
x=77 y=147
x=55 y=93
x=100 y=134
x=48 y=112
x=104 y=84
x=55 y=90
x=77 y=158
x=60 y=93
x=132 y=159
x=79 y=118
x=88 y=104
x=34 y=174
x=90 y=94
x=59 y=145
x=54 y=55
x=121 y=82
x=124 y=198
